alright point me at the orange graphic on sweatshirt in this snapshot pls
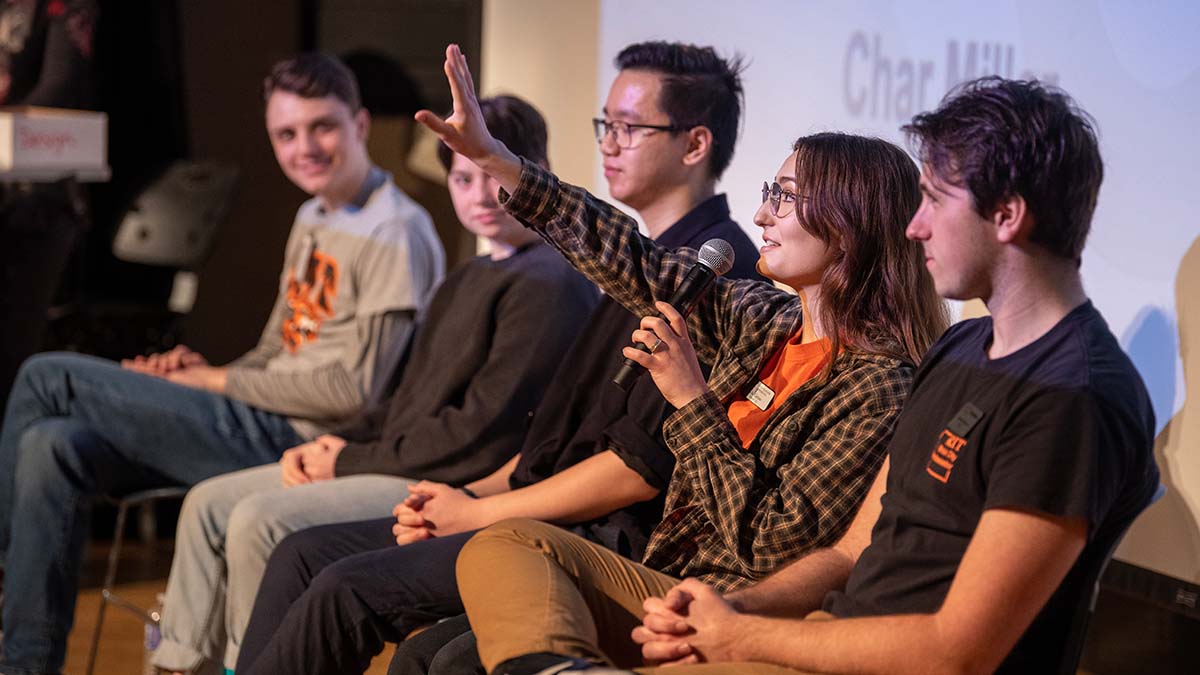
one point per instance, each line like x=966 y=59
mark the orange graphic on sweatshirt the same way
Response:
x=310 y=301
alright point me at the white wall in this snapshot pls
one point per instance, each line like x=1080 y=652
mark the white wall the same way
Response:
x=545 y=51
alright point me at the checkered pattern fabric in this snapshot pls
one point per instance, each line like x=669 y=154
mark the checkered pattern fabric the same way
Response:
x=733 y=515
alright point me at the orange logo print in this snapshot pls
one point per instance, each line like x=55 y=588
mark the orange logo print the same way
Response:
x=310 y=300
x=949 y=447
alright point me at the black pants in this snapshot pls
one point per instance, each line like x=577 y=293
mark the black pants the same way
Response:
x=333 y=595
x=447 y=648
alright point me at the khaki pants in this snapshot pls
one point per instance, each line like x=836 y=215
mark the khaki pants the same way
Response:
x=530 y=587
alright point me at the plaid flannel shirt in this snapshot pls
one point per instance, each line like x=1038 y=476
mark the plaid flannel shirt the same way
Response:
x=733 y=515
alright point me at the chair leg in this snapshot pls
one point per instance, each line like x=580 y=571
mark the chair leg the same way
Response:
x=147 y=522
x=110 y=577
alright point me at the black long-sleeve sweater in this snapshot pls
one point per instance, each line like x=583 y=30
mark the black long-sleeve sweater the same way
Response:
x=483 y=355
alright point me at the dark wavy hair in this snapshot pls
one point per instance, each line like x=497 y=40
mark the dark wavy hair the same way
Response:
x=699 y=88
x=875 y=296
x=997 y=138
x=516 y=124
x=313 y=75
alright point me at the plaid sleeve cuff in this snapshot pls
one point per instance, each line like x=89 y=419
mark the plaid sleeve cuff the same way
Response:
x=701 y=424
x=535 y=200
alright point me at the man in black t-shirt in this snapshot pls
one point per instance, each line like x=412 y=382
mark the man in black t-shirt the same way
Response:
x=1022 y=455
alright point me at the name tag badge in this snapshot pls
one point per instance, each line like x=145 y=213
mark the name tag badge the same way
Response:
x=761 y=396
x=965 y=420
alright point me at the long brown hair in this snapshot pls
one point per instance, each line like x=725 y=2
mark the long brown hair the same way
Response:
x=875 y=296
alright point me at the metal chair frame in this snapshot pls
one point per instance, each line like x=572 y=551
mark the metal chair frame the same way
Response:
x=107 y=595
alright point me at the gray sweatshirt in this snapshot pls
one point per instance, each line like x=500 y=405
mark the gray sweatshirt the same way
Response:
x=353 y=279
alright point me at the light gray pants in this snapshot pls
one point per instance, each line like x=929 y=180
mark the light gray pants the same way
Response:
x=227 y=529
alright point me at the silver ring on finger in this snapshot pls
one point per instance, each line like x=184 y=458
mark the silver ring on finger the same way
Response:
x=656 y=345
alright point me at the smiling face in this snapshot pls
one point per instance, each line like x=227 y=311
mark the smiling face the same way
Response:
x=319 y=143
x=473 y=193
x=790 y=254
x=959 y=245
x=639 y=175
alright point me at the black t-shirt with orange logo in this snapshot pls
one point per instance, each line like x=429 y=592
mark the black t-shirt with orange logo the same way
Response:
x=1062 y=426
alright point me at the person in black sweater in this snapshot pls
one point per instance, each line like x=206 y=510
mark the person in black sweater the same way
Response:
x=594 y=459
x=484 y=351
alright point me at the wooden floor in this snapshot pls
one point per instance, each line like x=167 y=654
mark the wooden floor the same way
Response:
x=143 y=574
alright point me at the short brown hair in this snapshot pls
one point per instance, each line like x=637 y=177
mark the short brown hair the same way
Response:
x=998 y=138
x=313 y=75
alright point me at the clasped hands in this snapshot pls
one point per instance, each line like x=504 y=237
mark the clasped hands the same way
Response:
x=432 y=509
x=312 y=461
x=180 y=365
x=692 y=623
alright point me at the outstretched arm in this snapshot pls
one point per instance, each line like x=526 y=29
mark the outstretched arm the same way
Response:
x=598 y=239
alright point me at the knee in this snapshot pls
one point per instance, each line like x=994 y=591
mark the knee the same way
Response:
x=39 y=364
x=201 y=511
x=253 y=529
x=506 y=535
x=42 y=369
x=48 y=449
x=517 y=530
x=460 y=656
x=332 y=583
x=290 y=558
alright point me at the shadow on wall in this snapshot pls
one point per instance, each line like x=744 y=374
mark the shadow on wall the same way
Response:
x=1166 y=537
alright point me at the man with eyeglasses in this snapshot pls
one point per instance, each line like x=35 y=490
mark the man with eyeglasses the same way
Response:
x=668 y=132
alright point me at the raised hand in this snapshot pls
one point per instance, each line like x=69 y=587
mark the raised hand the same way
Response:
x=465 y=131
x=672 y=360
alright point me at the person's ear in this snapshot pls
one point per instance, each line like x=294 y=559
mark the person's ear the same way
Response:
x=1012 y=219
x=362 y=124
x=699 y=145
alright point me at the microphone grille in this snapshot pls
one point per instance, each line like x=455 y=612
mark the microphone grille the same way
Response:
x=717 y=255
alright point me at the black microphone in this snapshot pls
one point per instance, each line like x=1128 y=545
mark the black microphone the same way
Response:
x=716 y=258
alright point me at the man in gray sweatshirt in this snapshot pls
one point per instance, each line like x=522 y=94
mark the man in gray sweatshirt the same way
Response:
x=361 y=259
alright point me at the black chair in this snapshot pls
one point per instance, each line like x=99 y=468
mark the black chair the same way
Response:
x=1077 y=635
x=170 y=226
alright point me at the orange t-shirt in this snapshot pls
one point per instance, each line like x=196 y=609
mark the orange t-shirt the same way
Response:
x=787 y=369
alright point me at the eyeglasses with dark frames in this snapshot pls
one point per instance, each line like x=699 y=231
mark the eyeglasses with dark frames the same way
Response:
x=775 y=195
x=623 y=131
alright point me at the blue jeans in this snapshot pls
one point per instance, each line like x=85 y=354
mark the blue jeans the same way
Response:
x=78 y=426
